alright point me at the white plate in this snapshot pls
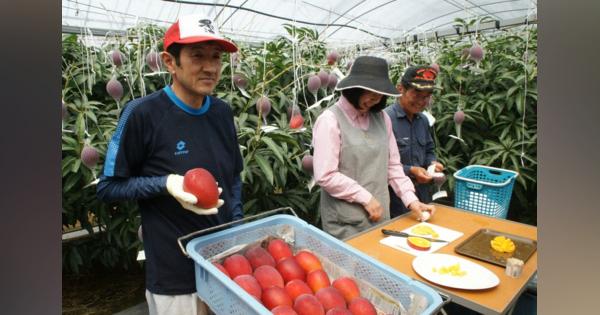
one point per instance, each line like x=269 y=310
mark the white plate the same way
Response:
x=477 y=277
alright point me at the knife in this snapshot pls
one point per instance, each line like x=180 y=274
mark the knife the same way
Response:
x=403 y=234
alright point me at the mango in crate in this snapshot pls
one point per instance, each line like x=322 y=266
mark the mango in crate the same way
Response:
x=503 y=244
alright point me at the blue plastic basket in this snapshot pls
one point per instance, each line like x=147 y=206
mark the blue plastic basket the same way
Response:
x=224 y=296
x=484 y=189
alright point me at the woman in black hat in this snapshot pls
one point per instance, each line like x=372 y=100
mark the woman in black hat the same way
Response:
x=355 y=154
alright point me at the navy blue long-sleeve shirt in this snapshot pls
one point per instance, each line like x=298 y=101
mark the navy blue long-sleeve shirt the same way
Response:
x=158 y=135
x=416 y=148
x=414 y=139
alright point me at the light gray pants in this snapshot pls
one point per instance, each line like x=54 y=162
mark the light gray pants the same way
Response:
x=187 y=304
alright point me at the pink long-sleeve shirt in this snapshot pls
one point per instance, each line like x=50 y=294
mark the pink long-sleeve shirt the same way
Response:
x=327 y=143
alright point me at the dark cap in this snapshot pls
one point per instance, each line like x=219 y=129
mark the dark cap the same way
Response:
x=420 y=77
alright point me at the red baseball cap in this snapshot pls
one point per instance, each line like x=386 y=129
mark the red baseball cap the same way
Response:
x=195 y=29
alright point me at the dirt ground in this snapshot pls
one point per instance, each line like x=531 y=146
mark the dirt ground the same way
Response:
x=102 y=293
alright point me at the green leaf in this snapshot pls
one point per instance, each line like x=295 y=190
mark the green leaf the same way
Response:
x=265 y=167
x=512 y=90
x=80 y=126
x=69 y=148
x=91 y=116
x=71 y=181
x=248 y=205
x=75 y=165
x=274 y=148
x=66 y=162
x=519 y=103
x=282 y=175
x=69 y=141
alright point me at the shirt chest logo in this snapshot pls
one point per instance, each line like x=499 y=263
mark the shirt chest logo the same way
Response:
x=180 y=148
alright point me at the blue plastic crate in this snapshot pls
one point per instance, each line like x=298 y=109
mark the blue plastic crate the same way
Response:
x=484 y=189
x=224 y=296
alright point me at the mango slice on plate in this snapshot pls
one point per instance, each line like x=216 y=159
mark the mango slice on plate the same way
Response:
x=452 y=270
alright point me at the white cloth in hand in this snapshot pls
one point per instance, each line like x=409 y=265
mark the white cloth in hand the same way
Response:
x=188 y=201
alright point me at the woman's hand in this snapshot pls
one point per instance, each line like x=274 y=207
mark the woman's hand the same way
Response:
x=374 y=209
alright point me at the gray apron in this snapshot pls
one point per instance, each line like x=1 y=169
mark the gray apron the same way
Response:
x=364 y=157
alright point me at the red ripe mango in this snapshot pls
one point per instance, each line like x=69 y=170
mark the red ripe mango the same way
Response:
x=330 y=298
x=347 y=287
x=290 y=270
x=338 y=311
x=279 y=249
x=275 y=296
x=308 y=261
x=258 y=256
x=222 y=269
x=296 y=288
x=267 y=276
x=361 y=306
x=236 y=265
x=250 y=285
x=297 y=121
x=308 y=304
x=317 y=280
x=284 y=310
x=200 y=183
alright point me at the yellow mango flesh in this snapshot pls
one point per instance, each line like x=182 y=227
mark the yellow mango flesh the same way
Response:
x=503 y=244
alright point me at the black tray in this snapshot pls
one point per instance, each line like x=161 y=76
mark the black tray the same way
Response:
x=478 y=246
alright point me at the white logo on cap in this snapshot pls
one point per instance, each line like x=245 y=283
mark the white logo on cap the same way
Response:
x=196 y=25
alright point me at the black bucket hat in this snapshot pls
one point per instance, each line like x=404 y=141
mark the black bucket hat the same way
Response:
x=369 y=73
x=421 y=78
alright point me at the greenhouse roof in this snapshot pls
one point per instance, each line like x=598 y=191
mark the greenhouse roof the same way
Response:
x=339 y=22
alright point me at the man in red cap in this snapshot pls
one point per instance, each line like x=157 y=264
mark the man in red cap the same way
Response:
x=160 y=137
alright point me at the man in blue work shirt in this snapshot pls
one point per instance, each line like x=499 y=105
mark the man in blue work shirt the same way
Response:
x=158 y=139
x=413 y=136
